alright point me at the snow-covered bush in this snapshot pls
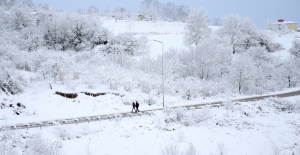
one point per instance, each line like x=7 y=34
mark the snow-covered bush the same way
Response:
x=64 y=133
x=146 y=88
x=159 y=121
x=180 y=136
x=202 y=115
x=189 y=87
x=258 y=39
x=149 y=83
x=171 y=118
x=191 y=150
x=228 y=104
x=37 y=145
x=180 y=114
x=221 y=149
x=172 y=149
x=209 y=88
x=114 y=83
x=8 y=141
x=128 y=83
x=283 y=104
x=11 y=81
x=151 y=100
x=31 y=39
x=8 y=151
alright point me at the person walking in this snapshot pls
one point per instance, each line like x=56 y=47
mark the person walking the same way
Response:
x=137 y=107
x=133 y=107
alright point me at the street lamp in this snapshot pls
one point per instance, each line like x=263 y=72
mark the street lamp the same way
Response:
x=162 y=68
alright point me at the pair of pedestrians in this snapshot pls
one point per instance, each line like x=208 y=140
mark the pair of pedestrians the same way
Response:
x=135 y=107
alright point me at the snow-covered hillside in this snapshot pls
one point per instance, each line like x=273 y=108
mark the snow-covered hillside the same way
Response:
x=86 y=56
x=39 y=98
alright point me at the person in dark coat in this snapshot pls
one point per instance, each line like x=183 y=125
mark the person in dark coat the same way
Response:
x=133 y=107
x=137 y=106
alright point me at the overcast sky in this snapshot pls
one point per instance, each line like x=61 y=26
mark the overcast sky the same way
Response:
x=254 y=9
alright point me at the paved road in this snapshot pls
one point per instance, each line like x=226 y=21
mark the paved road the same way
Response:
x=146 y=112
x=282 y=95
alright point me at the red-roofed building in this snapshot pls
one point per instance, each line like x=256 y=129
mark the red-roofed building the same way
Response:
x=291 y=25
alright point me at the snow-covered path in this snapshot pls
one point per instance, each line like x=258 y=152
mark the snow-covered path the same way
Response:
x=83 y=119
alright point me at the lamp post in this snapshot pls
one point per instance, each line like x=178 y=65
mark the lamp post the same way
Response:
x=162 y=68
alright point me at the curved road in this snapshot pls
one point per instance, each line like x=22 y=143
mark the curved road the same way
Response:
x=146 y=112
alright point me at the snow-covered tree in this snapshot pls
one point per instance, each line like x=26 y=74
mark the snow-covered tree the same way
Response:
x=290 y=72
x=182 y=12
x=238 y=30
x=165 y=11
x=76 y=32
x=30 y=39
x=217 y=22
x=93 y=10
x=18 y=18
x=263 y=39
x=212 y=59
x=264 y=71
x=205 y=59
x=240 y=74
x=196 y=27
x=123 y=43
x=143 y=44
x=57 y=33
x=295 y=49
x=150 y=7
x=3 y=2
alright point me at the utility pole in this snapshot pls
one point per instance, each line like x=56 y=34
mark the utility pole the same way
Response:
x=162 y=72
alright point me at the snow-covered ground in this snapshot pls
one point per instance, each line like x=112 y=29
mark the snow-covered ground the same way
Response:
x=234 y=129
x=237 y=128
x=286 y=41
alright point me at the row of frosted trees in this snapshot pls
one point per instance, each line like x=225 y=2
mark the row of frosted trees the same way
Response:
x=233 y=59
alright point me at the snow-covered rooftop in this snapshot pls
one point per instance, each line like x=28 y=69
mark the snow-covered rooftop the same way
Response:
x=289 y=22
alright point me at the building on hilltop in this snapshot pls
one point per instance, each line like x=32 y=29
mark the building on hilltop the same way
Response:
x=291 y=25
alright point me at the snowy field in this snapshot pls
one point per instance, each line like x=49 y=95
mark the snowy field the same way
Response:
x=270 y=126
